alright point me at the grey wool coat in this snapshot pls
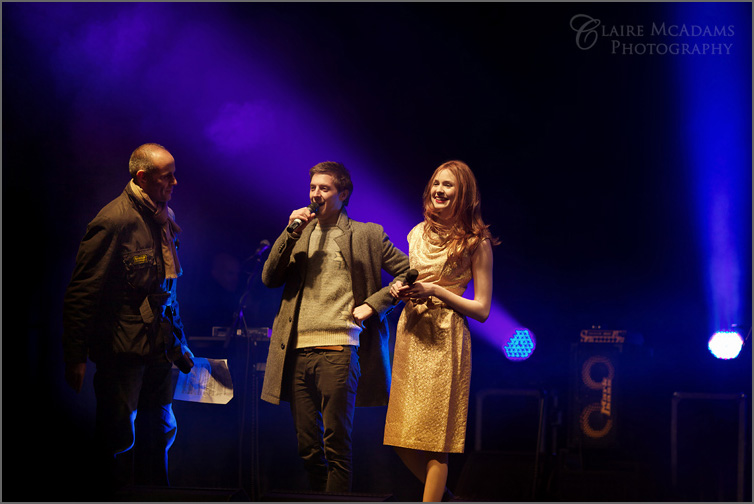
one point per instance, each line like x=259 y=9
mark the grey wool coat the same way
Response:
x=367 y=250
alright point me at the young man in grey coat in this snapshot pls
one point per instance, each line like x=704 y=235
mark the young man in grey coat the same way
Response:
x=329 y=346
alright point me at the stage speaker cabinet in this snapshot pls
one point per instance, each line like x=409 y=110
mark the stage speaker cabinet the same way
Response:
x=595 y=390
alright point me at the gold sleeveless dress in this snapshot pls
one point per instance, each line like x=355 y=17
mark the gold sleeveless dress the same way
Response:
x=429 y=395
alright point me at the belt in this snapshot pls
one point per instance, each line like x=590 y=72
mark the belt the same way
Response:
x=330 y=348
x=336 y=348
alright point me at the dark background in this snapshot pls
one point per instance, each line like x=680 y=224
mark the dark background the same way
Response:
x=596 y=172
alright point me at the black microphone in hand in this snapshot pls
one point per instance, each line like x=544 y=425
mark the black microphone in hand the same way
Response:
x=297 y=222
x=411 y=277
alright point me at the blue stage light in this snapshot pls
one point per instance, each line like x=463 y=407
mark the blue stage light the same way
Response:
x=520 y=345
x=725 y=344
x=715 y=135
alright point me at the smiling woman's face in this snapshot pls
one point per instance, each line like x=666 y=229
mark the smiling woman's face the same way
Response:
x=443 y=192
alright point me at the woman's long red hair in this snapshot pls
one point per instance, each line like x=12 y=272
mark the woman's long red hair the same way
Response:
x=464 y=228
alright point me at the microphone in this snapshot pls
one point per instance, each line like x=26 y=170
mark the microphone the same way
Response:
x=411 y=277
x=261 y=249
x=297 y=222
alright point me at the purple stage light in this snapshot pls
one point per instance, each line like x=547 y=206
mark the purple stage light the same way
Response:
x=725 y=344
x=520 y=345
x=227 y=98
x=497 y=329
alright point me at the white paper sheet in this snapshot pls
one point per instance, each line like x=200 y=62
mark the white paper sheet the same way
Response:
x=208 y=382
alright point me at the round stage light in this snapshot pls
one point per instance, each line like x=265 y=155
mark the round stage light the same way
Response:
x=725 y=344
x=519 y=345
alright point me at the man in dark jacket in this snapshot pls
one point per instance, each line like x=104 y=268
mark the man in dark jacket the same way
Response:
x=120 y=310
x=330 y=335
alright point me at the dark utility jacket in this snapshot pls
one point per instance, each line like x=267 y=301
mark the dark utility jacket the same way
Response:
x=118 y=300
x=367 y=251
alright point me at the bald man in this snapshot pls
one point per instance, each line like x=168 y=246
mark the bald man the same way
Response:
x=120 y=311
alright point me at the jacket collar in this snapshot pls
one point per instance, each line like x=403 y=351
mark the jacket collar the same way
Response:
x=344 y=223
x=344 y=240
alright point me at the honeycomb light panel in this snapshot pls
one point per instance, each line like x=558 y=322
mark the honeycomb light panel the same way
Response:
x=520 y=345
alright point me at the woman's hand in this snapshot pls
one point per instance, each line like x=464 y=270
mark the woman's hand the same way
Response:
x=418 y=290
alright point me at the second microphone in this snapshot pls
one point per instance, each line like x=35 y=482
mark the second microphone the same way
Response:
x=411 y=277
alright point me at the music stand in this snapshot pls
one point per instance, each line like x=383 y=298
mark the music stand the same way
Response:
x=239 y=328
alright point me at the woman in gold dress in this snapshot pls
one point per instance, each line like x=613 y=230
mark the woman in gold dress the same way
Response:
x=427 y=410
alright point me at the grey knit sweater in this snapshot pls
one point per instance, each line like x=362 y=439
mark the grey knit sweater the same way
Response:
x=326 y=315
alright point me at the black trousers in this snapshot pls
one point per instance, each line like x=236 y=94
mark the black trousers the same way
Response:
x=323 y=399
x=134 y=407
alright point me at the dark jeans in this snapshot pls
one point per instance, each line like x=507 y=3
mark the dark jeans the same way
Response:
x=323 y=398
x=134 y=406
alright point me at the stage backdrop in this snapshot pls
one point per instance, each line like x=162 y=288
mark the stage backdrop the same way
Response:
x=611 y=143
